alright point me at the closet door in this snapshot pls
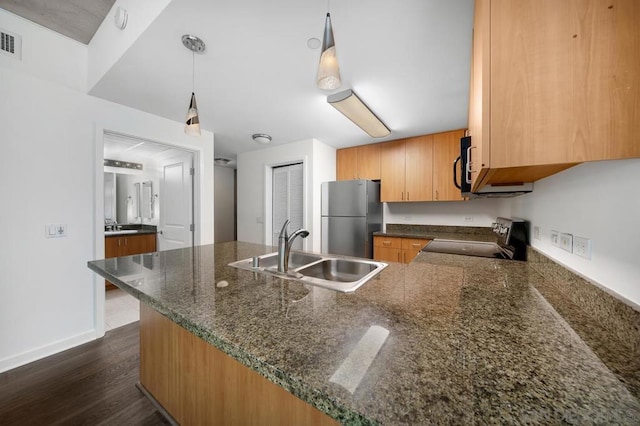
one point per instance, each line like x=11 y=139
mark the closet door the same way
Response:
x=288 y=200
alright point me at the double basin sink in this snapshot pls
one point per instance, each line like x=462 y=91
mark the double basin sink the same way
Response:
x=339 y=274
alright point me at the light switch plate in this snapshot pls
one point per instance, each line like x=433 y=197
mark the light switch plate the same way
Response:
x=566 y=242
x=555 y=238
x=55 y=230
x=582 y=247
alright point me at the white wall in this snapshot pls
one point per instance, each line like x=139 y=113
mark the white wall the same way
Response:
x=224 y=203
x=480 y=212
x=253 y=176
x=599 y=201
x=42 y=50
x=110 y=43
x=50 y=137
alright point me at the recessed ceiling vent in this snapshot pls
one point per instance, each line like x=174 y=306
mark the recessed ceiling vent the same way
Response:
x=10 y=44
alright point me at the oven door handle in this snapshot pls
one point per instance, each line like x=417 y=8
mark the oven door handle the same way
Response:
x=455 y=174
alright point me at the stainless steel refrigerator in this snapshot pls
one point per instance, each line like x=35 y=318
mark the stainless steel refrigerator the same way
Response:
x=351 y=213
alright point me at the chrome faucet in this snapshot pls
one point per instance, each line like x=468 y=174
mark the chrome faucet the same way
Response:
x=284 y=245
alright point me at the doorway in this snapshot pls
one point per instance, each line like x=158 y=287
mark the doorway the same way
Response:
x=155 y=193
x=288 y=200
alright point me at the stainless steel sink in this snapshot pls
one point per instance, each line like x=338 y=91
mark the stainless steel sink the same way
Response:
x=340 y=274
x=340 y=270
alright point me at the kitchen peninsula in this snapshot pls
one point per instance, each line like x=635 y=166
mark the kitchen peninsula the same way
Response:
x=465 y=340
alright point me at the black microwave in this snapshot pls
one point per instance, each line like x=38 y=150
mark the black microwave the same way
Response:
x=487 y=191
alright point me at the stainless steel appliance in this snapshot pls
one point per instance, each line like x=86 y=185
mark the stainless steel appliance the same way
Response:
x=351 y=213
x=487 y=191
x=512 y=242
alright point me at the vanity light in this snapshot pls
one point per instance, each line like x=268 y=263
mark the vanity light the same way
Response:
x=349 y=104
x=192 y=123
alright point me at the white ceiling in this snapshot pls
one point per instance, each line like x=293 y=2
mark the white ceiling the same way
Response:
x=409 y=60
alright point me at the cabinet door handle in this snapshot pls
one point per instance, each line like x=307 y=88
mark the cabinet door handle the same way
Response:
x=416 y=244
x=399 y=261
x=402 y=197
x=119 y=241
x=437 y=195
x=407 y=195
x=125 y=242
x=386 y=243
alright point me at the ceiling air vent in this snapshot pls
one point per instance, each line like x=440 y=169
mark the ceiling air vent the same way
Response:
x=10 y=44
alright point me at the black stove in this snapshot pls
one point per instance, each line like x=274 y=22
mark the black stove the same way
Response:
x=511 y=242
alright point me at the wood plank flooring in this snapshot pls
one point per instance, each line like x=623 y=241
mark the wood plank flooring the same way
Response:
x=90 y=384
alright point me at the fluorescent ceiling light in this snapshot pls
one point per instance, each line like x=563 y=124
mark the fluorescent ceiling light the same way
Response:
x=348 y=103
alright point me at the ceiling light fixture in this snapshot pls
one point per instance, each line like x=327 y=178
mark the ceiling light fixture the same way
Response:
x=349 y=104
x=261 y=138
x=192 y=123
x=221 y=161
x=328 y=77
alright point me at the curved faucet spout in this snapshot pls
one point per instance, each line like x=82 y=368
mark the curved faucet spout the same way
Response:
x=284 y=245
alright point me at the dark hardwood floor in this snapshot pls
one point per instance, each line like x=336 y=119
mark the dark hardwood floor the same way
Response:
x=92 y=384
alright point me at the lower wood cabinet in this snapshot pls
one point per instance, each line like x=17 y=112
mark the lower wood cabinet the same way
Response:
x=198 y=384
x=396 y=249
x=125 y=245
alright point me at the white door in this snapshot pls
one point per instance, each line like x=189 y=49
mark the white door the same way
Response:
x=176 y=202
x=288 y=197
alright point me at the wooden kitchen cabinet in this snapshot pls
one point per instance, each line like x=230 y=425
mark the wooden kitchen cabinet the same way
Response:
x=446 y=148
x=387 y=249
x=554 y=83
x=396 y=249
x=125 y=245
x=347 y=163
x=411 y=247
x=360 y=162
x=405 y=169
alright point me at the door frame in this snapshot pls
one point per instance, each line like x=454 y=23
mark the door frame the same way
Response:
x=98 y=212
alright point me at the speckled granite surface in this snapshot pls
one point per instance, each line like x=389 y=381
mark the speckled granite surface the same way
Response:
x=431 y=232
x=471 y=340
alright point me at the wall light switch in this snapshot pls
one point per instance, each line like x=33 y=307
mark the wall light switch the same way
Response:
x=468 y=218
x=566 y=242
x=536 y=232
x=555 y=238
x=55 y=230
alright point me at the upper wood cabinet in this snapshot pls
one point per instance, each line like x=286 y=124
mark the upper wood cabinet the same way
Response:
x=360 y=162
x=554 y=83
x=446 y=148
x=406 y=169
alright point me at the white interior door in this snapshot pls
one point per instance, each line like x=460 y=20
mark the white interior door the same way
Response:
x=176 y=202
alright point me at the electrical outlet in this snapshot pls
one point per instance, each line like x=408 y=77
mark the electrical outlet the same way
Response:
x=536 y=232
x=566 y=242
x=582 y=247
x=468 y=218
x=555 y=238
x=55 y=230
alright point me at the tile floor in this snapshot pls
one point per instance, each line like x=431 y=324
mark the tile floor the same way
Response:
x=120 y=309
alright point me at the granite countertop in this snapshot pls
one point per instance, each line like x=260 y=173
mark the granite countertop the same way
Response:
x=470 y=340
x=431 y=232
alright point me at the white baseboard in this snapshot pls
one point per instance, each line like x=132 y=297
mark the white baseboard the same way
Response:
x=31 y=355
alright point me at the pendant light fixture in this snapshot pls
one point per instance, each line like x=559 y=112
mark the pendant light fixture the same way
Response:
x=192 y=123
x=328 y=77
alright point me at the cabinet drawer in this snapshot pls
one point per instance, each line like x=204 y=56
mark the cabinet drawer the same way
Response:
x=389 y=242
x=414 y=243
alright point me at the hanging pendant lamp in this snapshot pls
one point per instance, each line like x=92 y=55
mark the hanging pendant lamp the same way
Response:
x=328 y=70
x=192 y=123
